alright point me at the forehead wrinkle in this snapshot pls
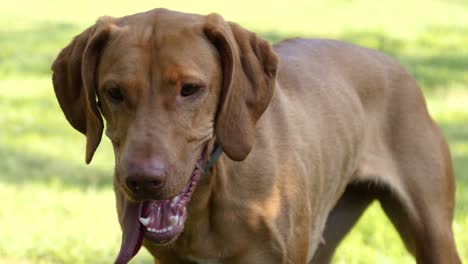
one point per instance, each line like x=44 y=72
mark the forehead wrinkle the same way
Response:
x=122 y=52
x=151 y=32
x=184 y=61
x=129 y=60
x=122 y=68
x=142 y=37
x=176 y=72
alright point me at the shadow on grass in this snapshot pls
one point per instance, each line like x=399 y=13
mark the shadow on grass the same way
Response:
x=461 y=177
x=443 y=58
x=456 y=132
x=438 y=71
x=457 y=135
x=18 y=167
x=375 y=40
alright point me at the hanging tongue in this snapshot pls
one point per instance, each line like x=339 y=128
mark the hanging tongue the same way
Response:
x=161 y=220
x=132 y=236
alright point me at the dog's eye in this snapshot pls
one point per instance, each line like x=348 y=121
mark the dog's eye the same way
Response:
x=115 y=95
x=189 y=89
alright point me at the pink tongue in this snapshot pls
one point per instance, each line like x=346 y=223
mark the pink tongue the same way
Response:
x=132 y=236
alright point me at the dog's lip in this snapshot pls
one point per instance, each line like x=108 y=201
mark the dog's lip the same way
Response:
x=162 y=221
x=166 y=234
x=139 y=216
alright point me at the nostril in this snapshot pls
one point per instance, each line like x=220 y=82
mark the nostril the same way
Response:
x=133 y=185
x=145 y=183
x=155 y=183
x=145 y=176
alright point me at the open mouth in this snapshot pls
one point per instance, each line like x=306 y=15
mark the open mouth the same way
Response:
x=163 y=220
x=159 y=221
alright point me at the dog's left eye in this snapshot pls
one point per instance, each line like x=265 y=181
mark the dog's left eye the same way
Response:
x=115 y=95
x=189 y=89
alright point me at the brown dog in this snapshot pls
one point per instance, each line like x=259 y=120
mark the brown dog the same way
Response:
x=335 y=126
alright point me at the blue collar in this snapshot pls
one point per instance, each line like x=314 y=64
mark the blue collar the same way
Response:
x=214 y=157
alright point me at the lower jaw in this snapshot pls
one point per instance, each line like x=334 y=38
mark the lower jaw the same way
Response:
x=167 y=217
x=166 y=233
x=165 y=237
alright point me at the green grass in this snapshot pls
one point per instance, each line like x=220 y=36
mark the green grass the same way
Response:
x=54 y=209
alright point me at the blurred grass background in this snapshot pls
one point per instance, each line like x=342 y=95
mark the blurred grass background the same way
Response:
x=54 y=209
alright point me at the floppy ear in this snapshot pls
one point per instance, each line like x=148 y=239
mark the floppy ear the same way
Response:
x=249 y=73
x=75 y=86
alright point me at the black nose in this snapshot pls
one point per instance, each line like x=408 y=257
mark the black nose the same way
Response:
x=145 y=177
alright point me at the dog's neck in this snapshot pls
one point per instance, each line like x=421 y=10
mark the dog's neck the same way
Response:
x=204 y=220
x=216 y=153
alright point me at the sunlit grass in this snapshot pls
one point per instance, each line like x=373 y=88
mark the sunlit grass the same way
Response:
x=55 y=209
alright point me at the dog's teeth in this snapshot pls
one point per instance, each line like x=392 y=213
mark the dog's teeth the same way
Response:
x=170 y=228
x=145 y=221
x=174 y=219
x=174 y=201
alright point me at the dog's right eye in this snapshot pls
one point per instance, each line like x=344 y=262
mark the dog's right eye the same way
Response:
x=115 y=95
x=189 y=89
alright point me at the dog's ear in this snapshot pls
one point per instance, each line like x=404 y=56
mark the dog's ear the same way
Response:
x=249 y=73
x=75 y=85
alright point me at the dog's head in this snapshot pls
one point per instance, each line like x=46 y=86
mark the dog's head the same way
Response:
x=168 y=84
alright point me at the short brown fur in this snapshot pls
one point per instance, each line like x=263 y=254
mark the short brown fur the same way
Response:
x=312 y=131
